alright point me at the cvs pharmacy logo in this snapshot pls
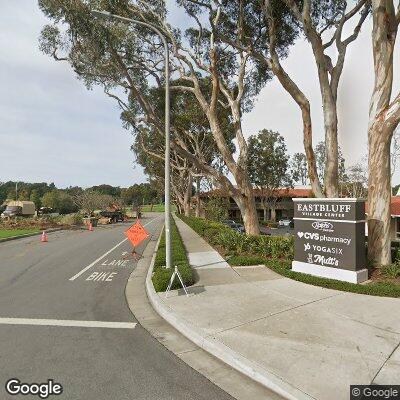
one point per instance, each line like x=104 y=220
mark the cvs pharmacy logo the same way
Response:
x=308 y=235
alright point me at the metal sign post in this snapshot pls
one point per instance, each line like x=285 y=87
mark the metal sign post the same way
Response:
x=176 y=273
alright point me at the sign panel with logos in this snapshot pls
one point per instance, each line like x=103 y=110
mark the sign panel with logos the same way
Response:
x=330 y=238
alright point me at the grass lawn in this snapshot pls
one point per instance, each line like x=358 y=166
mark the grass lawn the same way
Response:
x=156 y=208
x=6 y=233
x=161 y=275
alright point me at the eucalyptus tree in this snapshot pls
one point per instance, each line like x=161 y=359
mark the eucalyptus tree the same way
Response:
x=191 y=131
x=232 y=84
x=268 y=168
x=321 y=161
x=127 y=61
x=384 y=117
x=268 y=28
x=298 y=168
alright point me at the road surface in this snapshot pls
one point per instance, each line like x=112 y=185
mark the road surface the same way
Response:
x=63 y=316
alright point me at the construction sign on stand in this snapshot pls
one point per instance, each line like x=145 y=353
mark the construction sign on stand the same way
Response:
x=136 y=234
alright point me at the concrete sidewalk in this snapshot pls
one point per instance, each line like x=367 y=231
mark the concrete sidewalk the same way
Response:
x=299 y=340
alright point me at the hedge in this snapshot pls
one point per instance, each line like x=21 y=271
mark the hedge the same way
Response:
x=277 y=256
x=161 y=276
x=381 y=288
x=235 y=243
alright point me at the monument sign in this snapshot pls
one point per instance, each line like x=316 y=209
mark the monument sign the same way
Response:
x=330 y=238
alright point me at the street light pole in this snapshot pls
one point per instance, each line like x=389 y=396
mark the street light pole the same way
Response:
x=107 y=15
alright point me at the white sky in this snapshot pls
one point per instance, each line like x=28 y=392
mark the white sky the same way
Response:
x=52 y=129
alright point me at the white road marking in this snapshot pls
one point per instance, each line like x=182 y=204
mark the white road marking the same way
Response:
x=101 y=276
x=67 y=322
x=104 y=255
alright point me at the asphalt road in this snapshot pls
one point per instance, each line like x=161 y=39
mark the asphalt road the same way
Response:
x=49 y=290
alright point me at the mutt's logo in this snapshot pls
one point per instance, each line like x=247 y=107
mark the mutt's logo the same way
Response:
x=322 y=226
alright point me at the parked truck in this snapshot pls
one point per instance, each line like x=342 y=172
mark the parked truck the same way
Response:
x=19 y=208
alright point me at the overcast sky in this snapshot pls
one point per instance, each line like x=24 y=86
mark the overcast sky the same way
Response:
x=54 y=130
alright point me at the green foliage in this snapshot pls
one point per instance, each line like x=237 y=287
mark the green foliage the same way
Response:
x=246 y=260
x=216 y=209
x=36 y=198
x=138 y=194
x=25 y=190
x=268 y=161
x=156 y=208
x=114 y=191
x=238 y=244
x=298 y=168
x=51 y=199
x=320 y=158
x=59 y=201
x=375 y=289
x=72 y=219
x=392 y=270
x=284 y=267
x=6 y=233
x=271 y=224
x=161 y=275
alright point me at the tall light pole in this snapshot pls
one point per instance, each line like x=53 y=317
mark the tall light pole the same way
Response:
x=107 y=15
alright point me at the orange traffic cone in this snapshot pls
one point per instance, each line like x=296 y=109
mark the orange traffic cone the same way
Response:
x=90 y=227
x=44 y=237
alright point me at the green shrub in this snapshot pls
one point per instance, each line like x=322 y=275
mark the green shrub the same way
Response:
x=283 y=267
x=72 y=219
x=161 y=275
x=271 y=224
x=246 y=260
x=276 y=253
x=391 y=270
x=218 y=234
x=216 y=209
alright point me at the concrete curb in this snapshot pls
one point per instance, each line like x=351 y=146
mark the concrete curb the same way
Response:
x=29 y=235
x=217 y=349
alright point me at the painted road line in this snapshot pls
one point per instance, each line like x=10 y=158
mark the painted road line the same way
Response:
x=104 y=255
x=67 y=322
x=96 y=261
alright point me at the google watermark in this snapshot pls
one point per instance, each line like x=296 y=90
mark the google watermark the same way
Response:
x=375 y=392
x=15 y=387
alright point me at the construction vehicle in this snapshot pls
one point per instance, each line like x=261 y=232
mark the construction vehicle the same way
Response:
x=19 y=208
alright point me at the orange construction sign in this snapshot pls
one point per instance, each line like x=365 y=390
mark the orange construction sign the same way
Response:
x=136 y=233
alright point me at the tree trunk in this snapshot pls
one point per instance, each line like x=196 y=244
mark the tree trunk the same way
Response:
x=248 y=210
x=309 y=151
x=273 y=214
x=379 y=196
x=331 y=179
x=265 y=213
x=187 y=196
x=198 y=205
x=383 y=119
x=299 y=97
x=179 y=207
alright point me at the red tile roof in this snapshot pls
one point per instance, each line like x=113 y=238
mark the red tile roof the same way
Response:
x=395 y=205
x=284 y=192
